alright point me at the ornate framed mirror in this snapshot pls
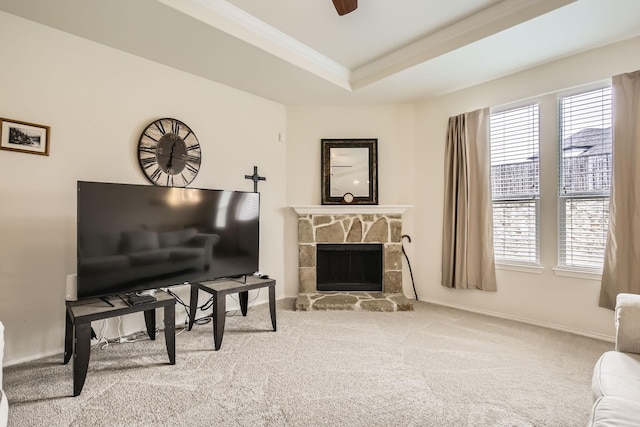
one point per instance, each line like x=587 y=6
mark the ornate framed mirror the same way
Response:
x=349 y=171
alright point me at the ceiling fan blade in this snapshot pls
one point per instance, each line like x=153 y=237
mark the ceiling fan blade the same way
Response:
x=345 y=6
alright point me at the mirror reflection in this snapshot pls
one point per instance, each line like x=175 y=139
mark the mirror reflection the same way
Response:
x=350 y=172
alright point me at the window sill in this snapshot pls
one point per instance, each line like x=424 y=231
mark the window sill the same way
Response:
x=532 y=269
x=578 y=274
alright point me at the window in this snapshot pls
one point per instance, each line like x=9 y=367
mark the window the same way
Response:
x=515 y=184
x=584 y=177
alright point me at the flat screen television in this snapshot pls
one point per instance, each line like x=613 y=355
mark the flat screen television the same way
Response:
x=137 y=237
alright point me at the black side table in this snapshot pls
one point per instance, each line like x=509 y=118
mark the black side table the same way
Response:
x=81 y=313
x=220 y=289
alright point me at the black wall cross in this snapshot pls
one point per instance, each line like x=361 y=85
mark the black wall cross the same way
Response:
x=255 y=177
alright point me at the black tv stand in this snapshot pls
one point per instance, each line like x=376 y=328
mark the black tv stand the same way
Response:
x=220 y=289
x=80 y=314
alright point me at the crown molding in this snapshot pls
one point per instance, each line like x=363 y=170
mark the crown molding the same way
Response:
x=234 y=21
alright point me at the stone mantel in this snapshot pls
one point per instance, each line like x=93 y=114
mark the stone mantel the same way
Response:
x=350 y=209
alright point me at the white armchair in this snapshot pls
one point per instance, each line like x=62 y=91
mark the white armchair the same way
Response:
x=616 y=376
x=4 y=403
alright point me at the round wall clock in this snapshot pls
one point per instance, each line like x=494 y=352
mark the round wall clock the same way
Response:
x=169 y=153
x=348 y=197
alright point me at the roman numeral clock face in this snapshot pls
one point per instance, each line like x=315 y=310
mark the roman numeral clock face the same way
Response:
x=169 y=153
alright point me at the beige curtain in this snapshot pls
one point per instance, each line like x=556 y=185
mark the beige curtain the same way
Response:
x=467 y=237
x=621 y=272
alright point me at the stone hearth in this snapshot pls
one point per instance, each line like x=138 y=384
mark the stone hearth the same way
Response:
x=366 y=301
x=347 y=225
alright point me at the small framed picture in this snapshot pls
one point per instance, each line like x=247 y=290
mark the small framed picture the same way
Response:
x=24 y=137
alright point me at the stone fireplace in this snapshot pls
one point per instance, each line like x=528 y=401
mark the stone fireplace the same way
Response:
x=351 y=225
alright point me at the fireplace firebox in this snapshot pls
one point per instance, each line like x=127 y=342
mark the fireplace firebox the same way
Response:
x=349 y=267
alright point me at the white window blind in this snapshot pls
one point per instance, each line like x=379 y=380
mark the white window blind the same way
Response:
x=515 y=184
x=584 y=177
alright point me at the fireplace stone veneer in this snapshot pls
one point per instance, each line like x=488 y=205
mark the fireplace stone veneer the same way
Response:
x=349 y=225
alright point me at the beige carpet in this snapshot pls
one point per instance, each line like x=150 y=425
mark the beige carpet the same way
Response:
x=434 y=366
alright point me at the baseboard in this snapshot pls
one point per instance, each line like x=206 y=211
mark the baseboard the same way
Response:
x=588 y=334
x=31 y=358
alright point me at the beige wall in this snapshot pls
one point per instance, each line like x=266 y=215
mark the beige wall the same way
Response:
x=565 y=302
x=97 y=101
